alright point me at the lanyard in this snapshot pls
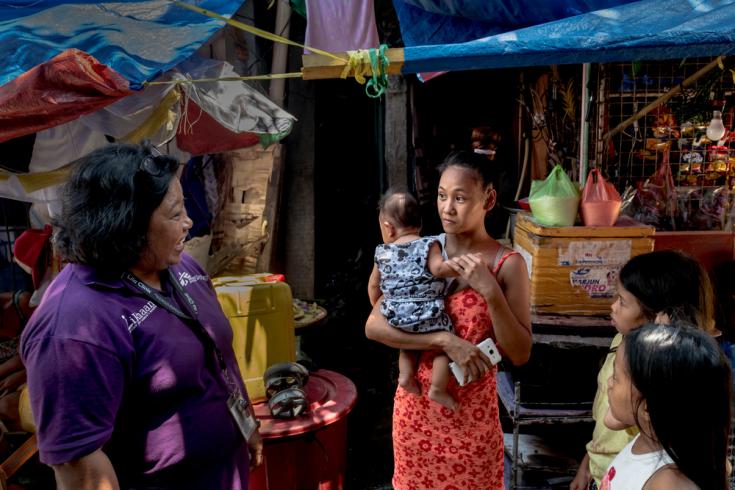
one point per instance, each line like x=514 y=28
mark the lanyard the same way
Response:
x=190 y=318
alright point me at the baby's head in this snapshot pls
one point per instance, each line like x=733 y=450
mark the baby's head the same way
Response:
x=673 y=382
x=399 y=214
x=665 y=283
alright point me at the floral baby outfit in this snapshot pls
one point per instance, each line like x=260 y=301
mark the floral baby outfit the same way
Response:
x=413 y=298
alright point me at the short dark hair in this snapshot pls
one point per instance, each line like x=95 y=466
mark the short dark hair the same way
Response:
x=668 y=281
x=686 y=382
x=486 y=170
x=402 y=207
x=107 y=205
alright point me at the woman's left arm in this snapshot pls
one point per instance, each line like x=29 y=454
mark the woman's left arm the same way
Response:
x=508 y=305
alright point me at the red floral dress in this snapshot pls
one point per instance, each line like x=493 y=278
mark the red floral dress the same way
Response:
x=436 y=448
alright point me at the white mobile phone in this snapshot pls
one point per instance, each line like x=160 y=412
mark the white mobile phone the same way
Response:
x=488 y=348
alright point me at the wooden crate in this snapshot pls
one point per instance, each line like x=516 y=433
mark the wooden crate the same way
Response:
x=573 y=270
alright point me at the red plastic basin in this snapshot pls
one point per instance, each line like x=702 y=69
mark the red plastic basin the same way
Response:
x=307 y=452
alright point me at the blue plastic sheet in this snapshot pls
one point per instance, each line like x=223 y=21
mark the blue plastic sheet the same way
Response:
x=138 y=39
x=647 y=29
x=453 y=21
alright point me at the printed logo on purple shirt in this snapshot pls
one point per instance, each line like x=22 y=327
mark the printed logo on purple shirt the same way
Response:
x=135 y=319
x=185 y=278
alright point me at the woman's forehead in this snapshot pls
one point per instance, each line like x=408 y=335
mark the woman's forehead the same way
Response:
x=174 y=194
x=459 y=177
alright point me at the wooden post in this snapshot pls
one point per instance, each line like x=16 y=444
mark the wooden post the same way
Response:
x=297 y=216
x=540 y=153
x=266 y=259
x=316 y=66
x=280 y=52
x=396 y=139
x=584 y=125
x=602 y=109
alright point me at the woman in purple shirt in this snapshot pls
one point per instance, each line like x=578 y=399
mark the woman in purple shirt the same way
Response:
x=132 y=378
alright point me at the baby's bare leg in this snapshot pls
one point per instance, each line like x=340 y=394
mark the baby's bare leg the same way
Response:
x=439 y=381
x=407 y=361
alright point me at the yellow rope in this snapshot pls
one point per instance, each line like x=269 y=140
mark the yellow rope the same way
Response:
x=256 y=31
x=371 y=62
x=359 y=64
x=162 y=114
x=227 y=79
x=32 y=182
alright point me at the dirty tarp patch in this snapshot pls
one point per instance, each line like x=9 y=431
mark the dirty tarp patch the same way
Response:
x=597 y=252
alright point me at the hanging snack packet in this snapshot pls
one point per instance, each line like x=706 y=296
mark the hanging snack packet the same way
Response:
x=555 y=200
x=600 y=201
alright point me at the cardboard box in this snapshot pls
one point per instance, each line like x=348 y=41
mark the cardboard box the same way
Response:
x=573 y=270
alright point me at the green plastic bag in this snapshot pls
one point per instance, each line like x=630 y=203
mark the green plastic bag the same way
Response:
x=555 y=200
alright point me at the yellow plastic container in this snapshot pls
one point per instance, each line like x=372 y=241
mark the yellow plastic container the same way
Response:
x=261 y=316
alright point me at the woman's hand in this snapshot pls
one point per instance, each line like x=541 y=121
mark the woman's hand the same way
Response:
x=12 y=382
x=10 y=366
x=473 y=269
x=378 y=329
x=255 y=448
x=473 y=362
x=507 y=304
x=583 y=477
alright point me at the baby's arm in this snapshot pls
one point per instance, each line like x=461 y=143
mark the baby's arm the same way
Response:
x=436 y=263
x=374 y=291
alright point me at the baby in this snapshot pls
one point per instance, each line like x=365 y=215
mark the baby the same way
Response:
x=407 y=273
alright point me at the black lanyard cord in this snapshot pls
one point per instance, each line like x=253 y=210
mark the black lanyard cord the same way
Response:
x=190 y=317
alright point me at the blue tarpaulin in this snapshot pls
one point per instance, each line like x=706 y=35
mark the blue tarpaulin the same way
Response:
x=137 y=39
x=646 y=29
x=428 y=22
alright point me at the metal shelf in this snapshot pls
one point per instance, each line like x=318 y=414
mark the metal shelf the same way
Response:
x=633 y=95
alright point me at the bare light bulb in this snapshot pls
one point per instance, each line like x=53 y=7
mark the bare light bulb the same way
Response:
x=716 y=129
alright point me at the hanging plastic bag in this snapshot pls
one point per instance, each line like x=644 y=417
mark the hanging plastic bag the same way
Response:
x=600 y=201
x=555 y=200
x=656 y=200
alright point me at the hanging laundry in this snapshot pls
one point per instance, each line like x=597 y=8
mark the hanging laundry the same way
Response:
x=195 y=197
x=341 y=25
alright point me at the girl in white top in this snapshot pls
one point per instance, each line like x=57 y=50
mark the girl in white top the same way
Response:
x=674 y=384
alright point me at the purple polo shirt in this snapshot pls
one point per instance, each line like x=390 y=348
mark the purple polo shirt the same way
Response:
x=108 y=368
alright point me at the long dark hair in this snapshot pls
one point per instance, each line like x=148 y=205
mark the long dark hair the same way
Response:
x=668 y=281
x=686 y=382
x=107 y=205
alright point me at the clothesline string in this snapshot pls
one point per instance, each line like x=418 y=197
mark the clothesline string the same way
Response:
x=373 y=62
x=225 y=79
x=258 y=32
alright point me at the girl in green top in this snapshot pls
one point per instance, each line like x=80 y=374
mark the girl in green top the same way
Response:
x=657 y=286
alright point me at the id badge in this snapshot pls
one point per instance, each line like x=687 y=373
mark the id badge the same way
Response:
x=244 y=418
